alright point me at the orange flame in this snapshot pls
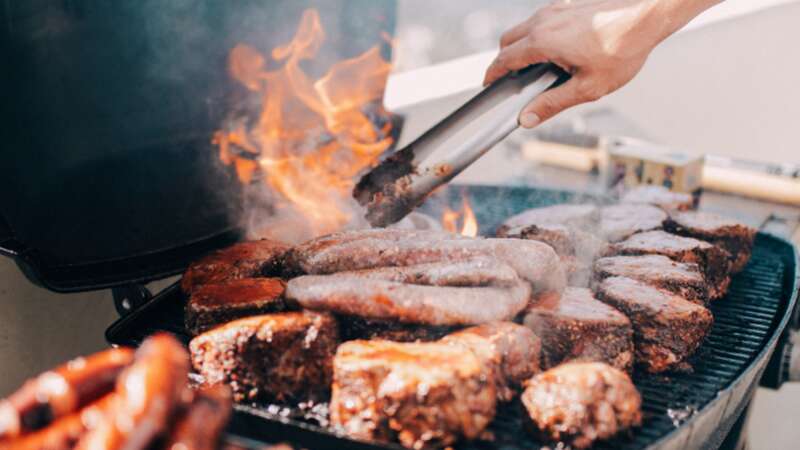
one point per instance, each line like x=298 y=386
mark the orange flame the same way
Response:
x=469 y=224
x=312 y=137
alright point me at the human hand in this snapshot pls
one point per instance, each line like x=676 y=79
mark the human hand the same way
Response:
x=602 y=43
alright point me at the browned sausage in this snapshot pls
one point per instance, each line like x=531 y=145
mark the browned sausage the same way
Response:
x=62 y=391
x=201 y=426
x=149 y=391
x=64 y=432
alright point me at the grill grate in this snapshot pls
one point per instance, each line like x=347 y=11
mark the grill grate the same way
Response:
x=744 y=322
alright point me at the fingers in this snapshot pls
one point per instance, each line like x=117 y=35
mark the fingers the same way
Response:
x=553 y=102
x=516 y=33
x=520 y=54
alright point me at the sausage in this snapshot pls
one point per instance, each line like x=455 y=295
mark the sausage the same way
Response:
x=407 y=303
x=472 y=272
x=62 y=391
x=202 y=424
x=64 y=432
x=534 y=261
x=150 y=391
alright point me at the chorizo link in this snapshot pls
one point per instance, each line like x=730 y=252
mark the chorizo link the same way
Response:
x=202 y=424
x=150 y=390
x=59 y=392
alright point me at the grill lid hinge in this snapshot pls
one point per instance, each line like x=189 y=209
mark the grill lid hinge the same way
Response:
x=129 y=297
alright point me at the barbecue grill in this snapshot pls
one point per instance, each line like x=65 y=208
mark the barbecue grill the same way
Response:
x=113 y=183
x=681 y=410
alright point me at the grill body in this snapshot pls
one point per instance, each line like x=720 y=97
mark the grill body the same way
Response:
x=681 y=410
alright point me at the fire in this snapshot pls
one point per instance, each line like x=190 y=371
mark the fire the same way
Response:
x=469 y=225
x=311 y=137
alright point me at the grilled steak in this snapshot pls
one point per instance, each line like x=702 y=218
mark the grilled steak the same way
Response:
x=269 y=357
x=618 y=222
x=667 y=328
x=511 y=351
x=659 y=196
x=583 y=217
x=577 y=326
x=579 y=403
x=243 y=260
x=353 y=295
x=422 y=394
x=576 y=248
x=217 y=303
x=712 y=260
x=684 y=279
x=533 y=261
x=736 y=238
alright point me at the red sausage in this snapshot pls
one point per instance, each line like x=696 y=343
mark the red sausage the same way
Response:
x=61 y=391
x=202 y=424
x=149 y=391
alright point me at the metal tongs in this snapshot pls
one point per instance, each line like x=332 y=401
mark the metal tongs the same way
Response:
x=405 y=179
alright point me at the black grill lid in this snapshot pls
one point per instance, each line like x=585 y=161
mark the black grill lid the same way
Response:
x=107 y=173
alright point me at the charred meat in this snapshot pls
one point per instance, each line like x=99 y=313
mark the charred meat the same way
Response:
x=421 y=394
x=580 y=403
x=577 y=326
x=272 y=357
x=216 y=303
x=684 y=279
x=659 y=196
x=667 y=328
x=250 y=259
x=618 y=222
x=735 y=237
x=712 y=260
x=511 y=351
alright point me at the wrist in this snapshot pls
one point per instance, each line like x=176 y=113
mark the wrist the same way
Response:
x=669 y=16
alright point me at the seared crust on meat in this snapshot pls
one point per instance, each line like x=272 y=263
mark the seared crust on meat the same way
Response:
x=713 y=261
x=659 y=196
x=272 y=357
x=735 y=237
x=250 y=259
x=577 y=326
x=618 y=222
x=511 y=351
x=667 y=328
x=421 y=394
x=354 y=327
x=407 y=303
x=684 y=279
x=580 y=403
x=217 y=303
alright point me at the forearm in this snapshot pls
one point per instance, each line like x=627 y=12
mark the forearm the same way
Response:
x=669 y=16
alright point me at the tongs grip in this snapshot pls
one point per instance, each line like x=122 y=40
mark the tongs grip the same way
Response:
x=404 y=180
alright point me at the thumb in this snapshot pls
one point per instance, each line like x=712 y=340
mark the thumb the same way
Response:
x=550 y=103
